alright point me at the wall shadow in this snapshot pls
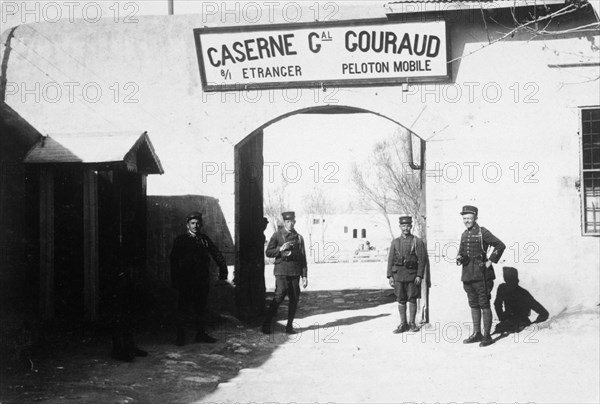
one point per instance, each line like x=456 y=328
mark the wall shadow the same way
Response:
x=314 y=303
x=74 y=364
x=513 y=305
x=166 y=220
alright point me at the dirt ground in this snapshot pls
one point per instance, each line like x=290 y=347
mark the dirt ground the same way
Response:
x=345 y=352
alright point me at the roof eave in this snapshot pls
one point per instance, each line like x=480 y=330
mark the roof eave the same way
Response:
x=417 y=7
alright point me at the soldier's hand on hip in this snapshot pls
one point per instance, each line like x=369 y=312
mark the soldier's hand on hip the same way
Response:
x=391 y=281
x=417 y=280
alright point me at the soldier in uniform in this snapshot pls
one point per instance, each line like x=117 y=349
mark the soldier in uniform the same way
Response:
x=478 y=273
x=406 y=265
x=287 y=247
x=190 y=259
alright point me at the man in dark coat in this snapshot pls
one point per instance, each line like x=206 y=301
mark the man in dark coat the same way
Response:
x=121 y=300
x=513 y=304
x=406 y=265
x=287 y=247
x=190 y=259
x=478 y=273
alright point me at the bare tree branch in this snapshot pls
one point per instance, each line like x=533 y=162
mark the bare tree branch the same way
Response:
x=275 y=203
x=531 y=26
x=387 y=183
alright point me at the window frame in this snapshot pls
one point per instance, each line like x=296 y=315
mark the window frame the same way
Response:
x=582 y=171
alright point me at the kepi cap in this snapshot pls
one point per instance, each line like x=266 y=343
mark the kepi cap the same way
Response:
x=405 y=220
x=194 y=215
x=469 y=209
x=289 y=215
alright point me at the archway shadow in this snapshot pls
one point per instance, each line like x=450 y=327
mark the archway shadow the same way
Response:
x=183 y=374
x=327 y=301
x=315 y=303
x=343 y=321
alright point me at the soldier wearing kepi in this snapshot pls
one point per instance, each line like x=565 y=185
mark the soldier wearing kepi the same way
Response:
x=190 y=259
x=287 y=247
x=478 y=273
x=406 y=265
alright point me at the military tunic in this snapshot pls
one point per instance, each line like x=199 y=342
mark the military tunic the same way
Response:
x=289 y=266
x=473 y=243
x=291 y=262
x=404 y=246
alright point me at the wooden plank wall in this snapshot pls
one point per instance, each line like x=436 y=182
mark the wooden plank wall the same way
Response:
x=46 y=243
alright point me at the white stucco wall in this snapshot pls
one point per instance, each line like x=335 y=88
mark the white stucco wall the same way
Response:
x=532 y=124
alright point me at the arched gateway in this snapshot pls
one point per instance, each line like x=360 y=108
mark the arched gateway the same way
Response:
x=249 y=248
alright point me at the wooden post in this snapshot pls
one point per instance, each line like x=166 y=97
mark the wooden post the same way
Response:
x=90 y=244
x=46 y=243
x=426 y=282
x=237 y=213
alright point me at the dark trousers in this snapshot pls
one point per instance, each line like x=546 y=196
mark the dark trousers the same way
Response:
x=476 y=294
x=120 y=302
x=191 y=305
x=285 y=286
x=407 y=292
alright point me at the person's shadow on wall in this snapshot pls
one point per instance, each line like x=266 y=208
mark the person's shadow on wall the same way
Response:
x=513 y=305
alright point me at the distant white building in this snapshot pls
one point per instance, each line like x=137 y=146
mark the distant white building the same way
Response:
x=342 y=236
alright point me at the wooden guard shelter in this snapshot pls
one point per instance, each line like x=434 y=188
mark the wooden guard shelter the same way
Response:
x=92 y=211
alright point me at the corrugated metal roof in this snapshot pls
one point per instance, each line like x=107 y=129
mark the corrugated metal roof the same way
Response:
x=417 y=6
x=90 y=148
x=515 y=3
x=440 y=1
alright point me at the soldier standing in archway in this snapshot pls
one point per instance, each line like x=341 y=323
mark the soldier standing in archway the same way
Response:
x=287 y=247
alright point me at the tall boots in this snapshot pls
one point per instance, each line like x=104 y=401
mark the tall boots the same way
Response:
x=486 y=338
x=412 y=313
x=293 y=305
x=487 y=327
x=476 y=318
x=131 y=347
x=201 y=335
x=267 y=326
x=124 y=348
x=404 y=325
x=118 y=350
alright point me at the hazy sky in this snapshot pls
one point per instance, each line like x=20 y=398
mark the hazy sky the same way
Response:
x=318 y=150
x=15 y=12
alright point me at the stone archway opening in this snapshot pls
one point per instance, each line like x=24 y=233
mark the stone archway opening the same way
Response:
x=249 y=204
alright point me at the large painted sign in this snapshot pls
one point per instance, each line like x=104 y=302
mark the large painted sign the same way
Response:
x=341 y=53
